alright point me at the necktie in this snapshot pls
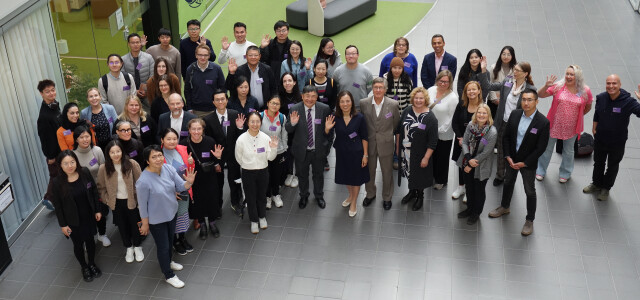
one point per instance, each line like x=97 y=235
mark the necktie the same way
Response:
x=309 y=129
x=224 y=128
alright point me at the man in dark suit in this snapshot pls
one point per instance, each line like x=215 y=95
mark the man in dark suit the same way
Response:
x=525 y=139
x=312 y=127
x=437 y=61
x=225 y=125
x=262 y=82
x=177 y=118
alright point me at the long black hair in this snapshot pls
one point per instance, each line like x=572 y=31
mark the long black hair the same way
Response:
x=295 y=95
x=301 y=57
x=466 y=71
x=236 y=83
x=320 y=54
x=63 y=176
x=512 y=63
x=125 y=163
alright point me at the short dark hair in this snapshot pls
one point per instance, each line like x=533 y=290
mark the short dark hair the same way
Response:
x=310 y=89
x=531 y=91
x=147 y=151
x=253 y=48
x=279 y=24
x=351 y=46
x=133 y=35
x=240 y=24
x=167 y=131
x=437 y=35
x=193 y=22
x=164 y=31
x=45 y=83
x=78 y=132
x=219 y=91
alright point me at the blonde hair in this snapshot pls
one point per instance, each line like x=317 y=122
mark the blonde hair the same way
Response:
x=125 y=115
x=197 y=120
x=489 y=117
x=424 y=92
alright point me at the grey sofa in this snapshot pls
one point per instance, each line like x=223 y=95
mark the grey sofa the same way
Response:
x=338 y=15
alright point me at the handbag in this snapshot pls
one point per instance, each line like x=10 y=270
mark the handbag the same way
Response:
x=207 y=167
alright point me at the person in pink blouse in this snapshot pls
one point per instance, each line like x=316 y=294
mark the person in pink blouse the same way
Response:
x=571 y=101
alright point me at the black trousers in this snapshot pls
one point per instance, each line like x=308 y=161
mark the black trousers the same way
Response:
x=441 y=157
x=475 y=190
x=127 y=221
x=102 y=224
x=461 y=176
x=275 y=173
x=235 y=189
x=528 y=179
x=311 y=159
x=611 y=155
x=82 y=238
x=53 y=172
x=255 y=184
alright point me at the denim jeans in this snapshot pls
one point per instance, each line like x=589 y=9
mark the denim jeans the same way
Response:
x=163 y=234
x=566 y=166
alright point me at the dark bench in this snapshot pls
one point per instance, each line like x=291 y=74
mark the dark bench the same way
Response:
x=338 y=15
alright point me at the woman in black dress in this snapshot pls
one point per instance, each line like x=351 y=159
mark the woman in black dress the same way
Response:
x=351 y=145
x=417 y=137
x=130 y=145
x=75 y=196
x=206 y=154
x=289 y=96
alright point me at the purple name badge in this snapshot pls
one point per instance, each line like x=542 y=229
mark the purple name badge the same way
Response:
x=302 y=73
x=226 y=123
x=442 y=68
x=286 y=55
x=259 y=80
x=206 y=154
x=251 y=110
x=133 y=154
x=244 y=56
x=508 y=84
x=67 y=132
x=93 y=162
x=260 y=150
x=139 y=66
x=182 y=168
x=484 y=141
x=534 y=130
x=617 y=110
x=111 y=120
x=126 y=88
x=184 y=133
x=395 y=97
x=144 y=129
x=356 y=85
x=317 y=121
x=407 y=65
x=389 y=115
x=88 y=185
x=422 y=126
x=353 y=135
x=290 y=105
x=273 y=128
x=208 y=81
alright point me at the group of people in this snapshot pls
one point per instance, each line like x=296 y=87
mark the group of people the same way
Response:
x=156 y=159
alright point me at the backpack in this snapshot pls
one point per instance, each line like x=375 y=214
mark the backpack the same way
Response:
x=582 y=147
x=105 y=81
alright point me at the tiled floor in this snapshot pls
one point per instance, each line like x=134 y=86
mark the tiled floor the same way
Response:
x=580 y=249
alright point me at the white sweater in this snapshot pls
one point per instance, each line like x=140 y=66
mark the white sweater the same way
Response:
x=237 y=51
x=444 y=111
x=254 y=153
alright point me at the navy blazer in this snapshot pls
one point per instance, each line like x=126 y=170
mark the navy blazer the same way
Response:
x=164 y=122
x=428 y=72
x=534 y=142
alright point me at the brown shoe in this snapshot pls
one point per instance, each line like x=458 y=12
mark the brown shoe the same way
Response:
x=498 y=212
x=527 y=229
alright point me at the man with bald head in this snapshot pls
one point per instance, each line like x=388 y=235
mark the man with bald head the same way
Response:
x=177 y=118
x=610 y=132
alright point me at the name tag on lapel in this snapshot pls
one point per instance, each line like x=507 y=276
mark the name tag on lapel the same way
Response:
x=484 y=141
x=422 y=126
x=617 y=110
x=534 y=130
x=388 y=115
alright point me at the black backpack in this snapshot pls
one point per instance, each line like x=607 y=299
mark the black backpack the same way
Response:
x=105 y=81
x=582 y=147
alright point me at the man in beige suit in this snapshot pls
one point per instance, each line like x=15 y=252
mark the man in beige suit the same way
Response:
x=382 y=116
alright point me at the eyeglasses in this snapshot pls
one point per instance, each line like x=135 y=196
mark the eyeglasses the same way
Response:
x=114 y=63
x=125 y=130
x=481 y=113
x=282 y=30
x=443 y=81
x=192 y=29
x=401 y=45
x=202 y=55
x=253 y=55
x=274 y=103
x=220 y=100
x=378 y=87
x=68 y=164
x=351 y=54
x=517 y=70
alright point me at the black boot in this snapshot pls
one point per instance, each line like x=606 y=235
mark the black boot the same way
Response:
x=95 y=271
x=411 y=196
x=177 y=246
x=86 y=274
x=419 y=200
x=214 y=230
x=203 y=231
x=185 y=244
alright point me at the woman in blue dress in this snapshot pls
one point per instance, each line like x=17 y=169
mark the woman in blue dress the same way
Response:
x=351 y=149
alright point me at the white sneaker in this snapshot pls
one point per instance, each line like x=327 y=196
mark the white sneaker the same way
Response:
x=104 y=240
x=495 y=150
x=138 y=253
x=458 y=192
x=263 y=223
x=268 y=202
x=287 y=181
x=294 y=182
x=129 y=256
x=464 y=199
x=175 y=282
x=277 y=200
x=438 y=186
x=254 y=227
x=176 y=266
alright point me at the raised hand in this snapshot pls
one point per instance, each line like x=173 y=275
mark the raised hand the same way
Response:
x=190 y=159
x=225 y=43
x=294 y=117
x=202 y=41
x=143 y=40
x=240 y=121
x=273 y=143
x=233 y=67
x=550 y=80
x=190 y=176
x=330 y=122
x=265 y=41
x=218 y=151
x=638 y=92
x=483 y=63
x=307 y=63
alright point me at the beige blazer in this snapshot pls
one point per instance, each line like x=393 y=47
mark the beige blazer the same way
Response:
x=108 y=186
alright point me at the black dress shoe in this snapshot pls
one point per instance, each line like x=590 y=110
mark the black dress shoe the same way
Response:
x=95 y=271
x=186 y=245
x=368 y=201
x=303 y=202
x=497 y=182
x=464 y=214
x=86 y=274
x=203 y=231
x=386 y=205
x=410 y=196
x=214 y=230
x=473 y=219
x=419 y=201
x=321 y=202
x=177 y=246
